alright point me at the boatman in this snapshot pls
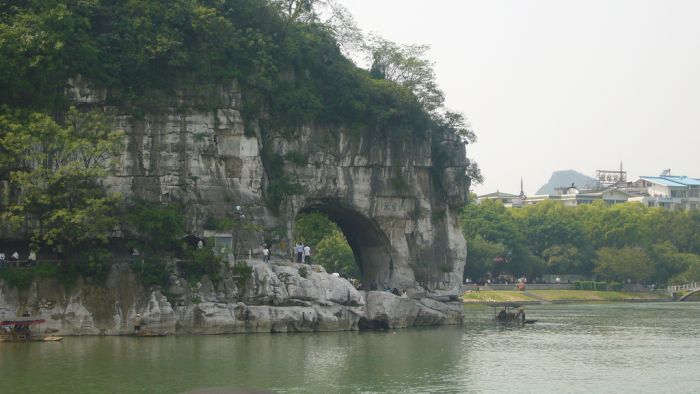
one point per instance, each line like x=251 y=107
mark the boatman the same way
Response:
x=137 y=324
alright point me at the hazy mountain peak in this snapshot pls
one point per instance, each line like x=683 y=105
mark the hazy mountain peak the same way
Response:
x=563 y=178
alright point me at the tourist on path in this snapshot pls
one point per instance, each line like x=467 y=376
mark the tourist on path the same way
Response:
x=307 y=254
x=300 y=252
x=266 y=254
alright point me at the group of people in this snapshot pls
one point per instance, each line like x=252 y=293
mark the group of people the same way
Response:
x=374 y=286
x=303 y=253
x=508 y=316
x=14 y=257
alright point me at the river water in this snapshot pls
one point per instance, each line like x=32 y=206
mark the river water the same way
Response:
x=601 y=348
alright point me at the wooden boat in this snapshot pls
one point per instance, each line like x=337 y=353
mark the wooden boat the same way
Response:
x=17 y=330
x=507 y=316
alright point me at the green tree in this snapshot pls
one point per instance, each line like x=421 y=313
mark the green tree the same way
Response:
x=624 y=263
x=563 y=259
x=548 y=224
x=493 y=223
x=311 y=228
x=408 y=66
x=481 y=257
x=155 y=227
x=692 y=271
x=58 y=171
x=617 y=226
x=335 y=255
x=668 y=261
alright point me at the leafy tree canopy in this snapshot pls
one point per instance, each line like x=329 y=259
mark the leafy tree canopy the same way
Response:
x=58 y=169
x=619 y=242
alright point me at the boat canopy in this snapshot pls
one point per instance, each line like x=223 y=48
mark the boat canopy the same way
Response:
x=504 y=305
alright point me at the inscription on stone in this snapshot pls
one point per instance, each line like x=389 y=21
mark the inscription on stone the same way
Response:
x=394 y=206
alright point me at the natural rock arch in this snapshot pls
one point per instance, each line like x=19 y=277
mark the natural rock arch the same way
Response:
x=370 y=246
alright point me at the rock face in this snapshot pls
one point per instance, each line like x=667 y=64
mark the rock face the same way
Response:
x=394 y=195
x=274 y=299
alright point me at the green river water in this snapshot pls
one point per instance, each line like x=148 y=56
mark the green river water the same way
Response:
x=592 y=348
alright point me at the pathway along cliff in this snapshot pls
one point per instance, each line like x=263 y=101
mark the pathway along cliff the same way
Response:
x=276 y=298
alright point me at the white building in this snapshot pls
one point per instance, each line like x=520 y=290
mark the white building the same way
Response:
x=666 y=191
x=571 y=196
x=508 y=200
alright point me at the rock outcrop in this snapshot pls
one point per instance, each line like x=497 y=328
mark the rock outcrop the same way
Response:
x=395 y=195
x=274 y=299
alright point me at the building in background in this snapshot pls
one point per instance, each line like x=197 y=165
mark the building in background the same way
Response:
x=667 y=191
x=571 y=196
x=508 y=200
x=664 y=191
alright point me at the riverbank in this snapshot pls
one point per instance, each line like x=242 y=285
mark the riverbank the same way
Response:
x=558 y=296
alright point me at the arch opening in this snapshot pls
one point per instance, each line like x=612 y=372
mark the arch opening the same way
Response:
x=370 y=246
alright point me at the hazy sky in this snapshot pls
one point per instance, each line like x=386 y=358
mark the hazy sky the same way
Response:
x=561 y=84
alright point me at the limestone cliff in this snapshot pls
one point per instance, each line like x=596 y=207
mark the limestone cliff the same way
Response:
x=394 y=196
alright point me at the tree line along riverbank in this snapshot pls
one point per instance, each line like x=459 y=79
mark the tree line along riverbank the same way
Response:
x=622 y=243
x=558 y=296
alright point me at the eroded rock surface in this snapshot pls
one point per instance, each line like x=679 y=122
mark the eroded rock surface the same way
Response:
x=394 y=193
x=274 y=299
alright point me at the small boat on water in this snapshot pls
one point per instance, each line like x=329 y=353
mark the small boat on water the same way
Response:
x=148 y=334
x=17 y=330
x=510 y=313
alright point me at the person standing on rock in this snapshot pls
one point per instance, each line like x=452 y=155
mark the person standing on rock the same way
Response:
x=266 y=254
x=307 y=254
x=300 y=252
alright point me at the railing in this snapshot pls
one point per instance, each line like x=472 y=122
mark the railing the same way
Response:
x=33 y=263
x=25 y=263
x=686 y=287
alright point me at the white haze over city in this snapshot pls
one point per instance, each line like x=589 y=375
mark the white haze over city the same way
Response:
x=560 y=84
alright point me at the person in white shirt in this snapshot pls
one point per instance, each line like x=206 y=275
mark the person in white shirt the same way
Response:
x=266 y=254
x=307 y=254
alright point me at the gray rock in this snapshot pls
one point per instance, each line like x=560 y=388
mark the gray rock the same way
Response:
x=276 y=299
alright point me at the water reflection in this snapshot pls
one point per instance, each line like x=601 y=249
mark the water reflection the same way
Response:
x=572 y=348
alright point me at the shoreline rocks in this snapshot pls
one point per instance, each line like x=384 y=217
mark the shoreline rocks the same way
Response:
x=274 y=299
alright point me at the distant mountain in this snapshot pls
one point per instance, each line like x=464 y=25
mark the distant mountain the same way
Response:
x=566 y=178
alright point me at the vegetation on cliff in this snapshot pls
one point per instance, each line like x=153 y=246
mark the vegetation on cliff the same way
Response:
x=619 y=243
x=289 y=66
